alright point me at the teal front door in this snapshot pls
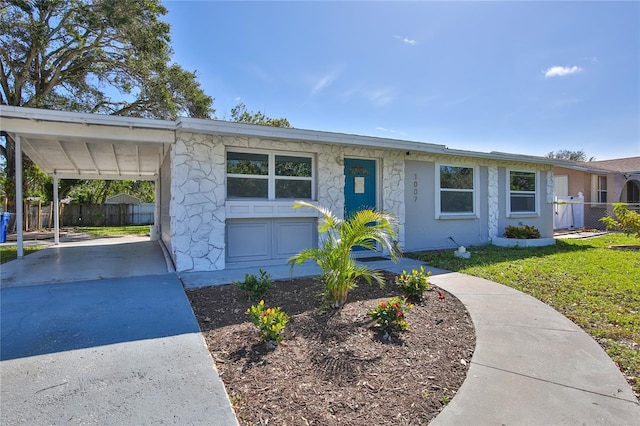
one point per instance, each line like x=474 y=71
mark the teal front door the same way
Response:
x=360 y=186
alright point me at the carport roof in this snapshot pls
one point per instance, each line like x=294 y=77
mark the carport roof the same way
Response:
x=89 y=146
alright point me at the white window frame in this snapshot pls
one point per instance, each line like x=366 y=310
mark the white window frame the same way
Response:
x=439 y=214
x=535 y=193
x=599 y=189
x=271 y=176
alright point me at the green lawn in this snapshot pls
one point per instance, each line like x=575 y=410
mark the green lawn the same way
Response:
x=596 y=287
x=104 y=231
x=8 y=253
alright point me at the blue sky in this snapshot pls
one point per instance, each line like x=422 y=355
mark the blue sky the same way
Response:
x=519 y=77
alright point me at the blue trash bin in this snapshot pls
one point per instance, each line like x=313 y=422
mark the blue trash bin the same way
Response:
x=4 y=225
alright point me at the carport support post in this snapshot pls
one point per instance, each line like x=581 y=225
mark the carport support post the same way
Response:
x=19 y=200
x=155 y=228
x=56 y=212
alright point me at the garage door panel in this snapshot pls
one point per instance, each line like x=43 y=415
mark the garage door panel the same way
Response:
x=293 y=236
x=267 y=239
x=248 y=240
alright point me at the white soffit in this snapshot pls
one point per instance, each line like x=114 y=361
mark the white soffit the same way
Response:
x=89 y=146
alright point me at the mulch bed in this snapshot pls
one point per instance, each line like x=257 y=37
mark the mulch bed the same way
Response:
x=333 y=367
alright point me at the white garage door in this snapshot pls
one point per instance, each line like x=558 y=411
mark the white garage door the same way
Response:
x=267 y=239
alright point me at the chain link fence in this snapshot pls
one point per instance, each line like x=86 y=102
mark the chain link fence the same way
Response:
x=577 y=214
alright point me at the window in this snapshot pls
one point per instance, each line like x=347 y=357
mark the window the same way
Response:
x=456 y=190
x=632 y=192
x=247 y=175
x=293 y=177
x=269 y=176
x=522 y=192
x=602 y=189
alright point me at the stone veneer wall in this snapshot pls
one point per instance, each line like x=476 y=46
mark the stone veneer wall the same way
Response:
x=197 y=202
x=494 y=204
x=198 y=190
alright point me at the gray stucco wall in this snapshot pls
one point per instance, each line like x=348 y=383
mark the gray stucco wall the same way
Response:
x=543 y=220
x=422 y=229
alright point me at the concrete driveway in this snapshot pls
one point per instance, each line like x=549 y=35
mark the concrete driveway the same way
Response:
x=103 y=342
x=87 y=259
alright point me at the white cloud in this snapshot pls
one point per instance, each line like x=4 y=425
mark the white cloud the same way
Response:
x=318 y=84
x=406 y=40
x=381 y=96
x=560 y=71
x=323 y=82
x=378 y=97
x=383 y=129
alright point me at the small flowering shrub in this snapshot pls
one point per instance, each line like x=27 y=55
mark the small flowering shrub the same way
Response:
x=414 y=284
x=270 y=322
x=255 y=287
x=521 y=232
x=390 y=315
x=627 y=220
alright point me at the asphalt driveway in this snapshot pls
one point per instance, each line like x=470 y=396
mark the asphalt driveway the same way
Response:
x=121 y=350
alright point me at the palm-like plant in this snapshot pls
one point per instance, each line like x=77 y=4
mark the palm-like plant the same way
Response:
x=339 y=269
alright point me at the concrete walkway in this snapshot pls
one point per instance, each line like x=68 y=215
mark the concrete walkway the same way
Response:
x=531 y=365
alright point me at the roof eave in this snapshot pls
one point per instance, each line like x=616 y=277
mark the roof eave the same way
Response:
x=242 y=129
x=84 y=118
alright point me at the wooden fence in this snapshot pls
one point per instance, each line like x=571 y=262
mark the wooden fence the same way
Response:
x=40 y=216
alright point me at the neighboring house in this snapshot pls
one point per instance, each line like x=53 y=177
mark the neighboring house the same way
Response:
x=224 y=191
x=122 y=199
x=601 y=183
x=138 y=213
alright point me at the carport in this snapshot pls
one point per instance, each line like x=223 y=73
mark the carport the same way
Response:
x=67 y=145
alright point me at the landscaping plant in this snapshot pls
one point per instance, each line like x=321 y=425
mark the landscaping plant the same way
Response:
x=255 y=287
x=270 y=322
x=521 y=232
x=414 y=285
x=339 y=269
x=389 y=315
x=628 y=220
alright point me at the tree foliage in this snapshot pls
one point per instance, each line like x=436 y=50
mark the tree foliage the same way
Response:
x=94 y=56
x=240 y=114
x=98 y=56
x=97 y=191
x=565 y=154
x=627 y=220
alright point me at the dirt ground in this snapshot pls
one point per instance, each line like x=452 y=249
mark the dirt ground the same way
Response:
x=333 y=367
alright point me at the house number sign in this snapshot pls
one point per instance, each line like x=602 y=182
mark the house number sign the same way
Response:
x=415 y=188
